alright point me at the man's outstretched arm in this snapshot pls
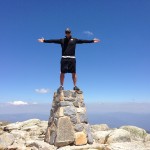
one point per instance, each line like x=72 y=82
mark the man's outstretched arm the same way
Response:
x=57 y=41
x=79 y=41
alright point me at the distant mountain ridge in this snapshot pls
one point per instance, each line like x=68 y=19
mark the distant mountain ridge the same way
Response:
x=115 y=119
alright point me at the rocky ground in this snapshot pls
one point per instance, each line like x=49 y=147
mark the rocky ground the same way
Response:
x=29 y=135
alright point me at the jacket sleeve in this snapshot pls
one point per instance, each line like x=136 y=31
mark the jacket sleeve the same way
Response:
x=79 y=41
x=56 y=41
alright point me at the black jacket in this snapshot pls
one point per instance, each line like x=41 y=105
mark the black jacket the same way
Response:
x=68 y=45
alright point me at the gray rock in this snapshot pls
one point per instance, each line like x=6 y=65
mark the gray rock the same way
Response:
x=82 y=104
x=52 y=137
x=47 y=135
x=74 y=94
x=89 y=135
x=76 y=103
x=65 y=103
x=67 y=93
x=83 y=118
x=55 y=121
x=73 y=119
x=68 y=111
x=79 y=127
x=69 y=99
x=6 y=139
x=65 y=132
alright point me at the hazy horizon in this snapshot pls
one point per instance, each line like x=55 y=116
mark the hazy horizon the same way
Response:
x=113 y=114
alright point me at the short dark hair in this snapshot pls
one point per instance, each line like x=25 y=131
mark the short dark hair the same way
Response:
x=67 y=30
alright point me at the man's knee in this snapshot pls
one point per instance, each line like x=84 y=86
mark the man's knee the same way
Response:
x=73 y=75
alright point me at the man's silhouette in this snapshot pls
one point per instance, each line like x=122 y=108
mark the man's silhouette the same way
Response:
x=68 y=60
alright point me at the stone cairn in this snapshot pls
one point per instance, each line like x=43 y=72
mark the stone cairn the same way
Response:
x=68 y=122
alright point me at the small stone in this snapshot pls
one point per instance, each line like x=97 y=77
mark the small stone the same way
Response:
x=80 y=97
x=76 y=103
x=79 y=127
x=55 y=94
x=83 y=118
x=55 y=121
x=61 y=112
x=81 y=110
x=65 y=103
x=69 y=99
x=50 y=120
x=80 y=138
x=82 y=104
x=73 y=119
x=68 y=111
x=66 y=93
x=74 y=94
x=61 y=96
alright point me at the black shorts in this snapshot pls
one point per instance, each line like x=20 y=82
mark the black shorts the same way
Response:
x=68 y=65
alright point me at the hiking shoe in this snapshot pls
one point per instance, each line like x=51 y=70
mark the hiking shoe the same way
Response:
x=76 y=88
x=60 y=89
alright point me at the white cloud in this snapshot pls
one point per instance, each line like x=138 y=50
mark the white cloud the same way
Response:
x=17 y=103
x=42 y=91
x=89 y=33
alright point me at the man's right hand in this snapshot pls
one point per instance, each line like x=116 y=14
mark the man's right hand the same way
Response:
x=41 y=40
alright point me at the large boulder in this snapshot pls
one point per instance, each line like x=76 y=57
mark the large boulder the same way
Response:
x=40 y=145
x=18 y=134
x=6 y=139
x=101 y=136
x=147 y=138
x=20 y=125
x=117 y=136
x=136 y=132
x=135 y=145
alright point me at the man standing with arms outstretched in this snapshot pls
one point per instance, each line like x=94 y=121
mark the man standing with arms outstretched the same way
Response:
x=68 y=60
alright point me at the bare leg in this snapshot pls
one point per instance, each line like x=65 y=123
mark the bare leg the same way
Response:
x=62 y=76
x=74 y=78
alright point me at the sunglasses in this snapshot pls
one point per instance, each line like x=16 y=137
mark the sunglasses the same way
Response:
x=67 y=32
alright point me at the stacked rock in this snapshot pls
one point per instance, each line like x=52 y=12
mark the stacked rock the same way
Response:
x=68 y=122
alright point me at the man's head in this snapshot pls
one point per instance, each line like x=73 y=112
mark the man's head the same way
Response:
x=68 y=33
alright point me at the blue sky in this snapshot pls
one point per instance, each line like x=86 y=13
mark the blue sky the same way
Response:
x=115 y=70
